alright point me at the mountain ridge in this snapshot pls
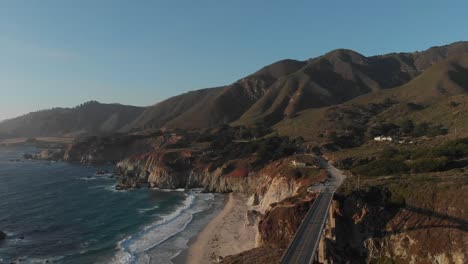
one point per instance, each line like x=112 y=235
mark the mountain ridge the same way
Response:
x=333 y=78
x=274 y=93
x=91 y=117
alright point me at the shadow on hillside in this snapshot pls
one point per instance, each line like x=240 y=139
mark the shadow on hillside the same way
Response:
x=381 y=220
x=415 y=218
x=460 y=76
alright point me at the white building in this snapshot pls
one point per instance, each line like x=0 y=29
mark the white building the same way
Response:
x=383 y=138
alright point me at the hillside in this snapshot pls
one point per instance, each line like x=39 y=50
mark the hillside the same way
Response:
x=89 y=118
x=439 y=96
x=210 y=107
x=285 y=88
x=290 y=95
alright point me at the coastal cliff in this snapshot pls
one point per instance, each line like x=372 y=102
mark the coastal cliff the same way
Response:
x=172 y=169
x=276 y=229
x=420 y=220
x=388 y=220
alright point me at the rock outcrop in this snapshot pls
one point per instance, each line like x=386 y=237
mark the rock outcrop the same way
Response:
x=46 y=154
x=276 y=229
x=258 y=255
x=172 y=169
x=278 y=226
x=3 y=236
x=379 y=226
x=101 y=150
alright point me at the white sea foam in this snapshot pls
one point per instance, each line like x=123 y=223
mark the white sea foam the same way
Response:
x=113 y=189
x=104 y=174
x=132 y=249
x=143 y=210
x=101 y=186
x=27 y=260
x=170 y=190
x=88 y=178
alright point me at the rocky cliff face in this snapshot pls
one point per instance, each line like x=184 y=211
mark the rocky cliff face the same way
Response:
x=403 y=220
x=46 y=154
x=277 y=188
x=379 y=225
x=98 y=150
x=278 y=226
x=196 y=169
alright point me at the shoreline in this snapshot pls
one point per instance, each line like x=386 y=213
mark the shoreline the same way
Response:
x=226 y=234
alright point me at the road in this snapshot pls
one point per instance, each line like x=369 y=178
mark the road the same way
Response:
x=302 y=248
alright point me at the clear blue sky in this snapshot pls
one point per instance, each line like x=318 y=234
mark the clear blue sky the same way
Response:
x=62 y=53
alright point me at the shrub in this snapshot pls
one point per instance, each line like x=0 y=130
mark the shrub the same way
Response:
x=407 y=126
x=382 y=167
x=396 y=200
x=429 y=164
x=389 y=152
x=453 y=149
x=414 y=107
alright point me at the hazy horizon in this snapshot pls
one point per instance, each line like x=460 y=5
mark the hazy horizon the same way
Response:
x=141 y=54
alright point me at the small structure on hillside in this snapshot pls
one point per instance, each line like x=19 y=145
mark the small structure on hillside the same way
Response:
x=383 y=138
x=298 y=164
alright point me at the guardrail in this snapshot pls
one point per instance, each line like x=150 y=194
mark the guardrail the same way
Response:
x=307 y=222
x=297 y=239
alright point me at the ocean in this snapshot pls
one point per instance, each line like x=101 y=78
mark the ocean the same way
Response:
x=56 y=212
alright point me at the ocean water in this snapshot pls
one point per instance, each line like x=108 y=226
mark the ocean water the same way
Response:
x=56 y=212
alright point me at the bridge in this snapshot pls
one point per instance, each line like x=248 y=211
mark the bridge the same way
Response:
x=309 y=236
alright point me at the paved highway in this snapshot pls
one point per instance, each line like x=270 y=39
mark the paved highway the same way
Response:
x=302 y=248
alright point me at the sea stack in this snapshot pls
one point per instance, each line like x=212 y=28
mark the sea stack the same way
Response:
x=2 y=236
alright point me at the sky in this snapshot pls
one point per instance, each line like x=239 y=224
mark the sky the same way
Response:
x=65 y=52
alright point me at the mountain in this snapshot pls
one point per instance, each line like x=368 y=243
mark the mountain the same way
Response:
x=88 y=118
x=278 y=94
x=213 y=106
x=285 y=88
x=438 y=96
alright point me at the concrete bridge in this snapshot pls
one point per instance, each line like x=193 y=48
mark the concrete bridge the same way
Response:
x=309 y=243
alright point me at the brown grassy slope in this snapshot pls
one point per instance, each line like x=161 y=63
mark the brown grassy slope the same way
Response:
x=339 y=76
x=441 y=91
x=211 y=107
x=158 y=115
x=331 y=79
x=287 y=87
x=425 y=59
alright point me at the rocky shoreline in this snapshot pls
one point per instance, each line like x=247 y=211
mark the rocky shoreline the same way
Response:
x=172 y=161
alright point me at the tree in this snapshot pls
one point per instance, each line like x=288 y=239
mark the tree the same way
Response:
x=333 y=136
x=407 y=126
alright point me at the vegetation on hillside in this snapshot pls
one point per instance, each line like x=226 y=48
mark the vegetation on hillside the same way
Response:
x=392 y=160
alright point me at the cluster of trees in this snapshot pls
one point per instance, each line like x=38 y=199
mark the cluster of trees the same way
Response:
x=264 y=149
x=92 y=102
x=347 y=139
x=274 y=147
x=407 y=128
x=224 y=134
x=391 y=161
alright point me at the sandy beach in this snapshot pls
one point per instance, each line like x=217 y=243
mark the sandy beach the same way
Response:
x=226 y=234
